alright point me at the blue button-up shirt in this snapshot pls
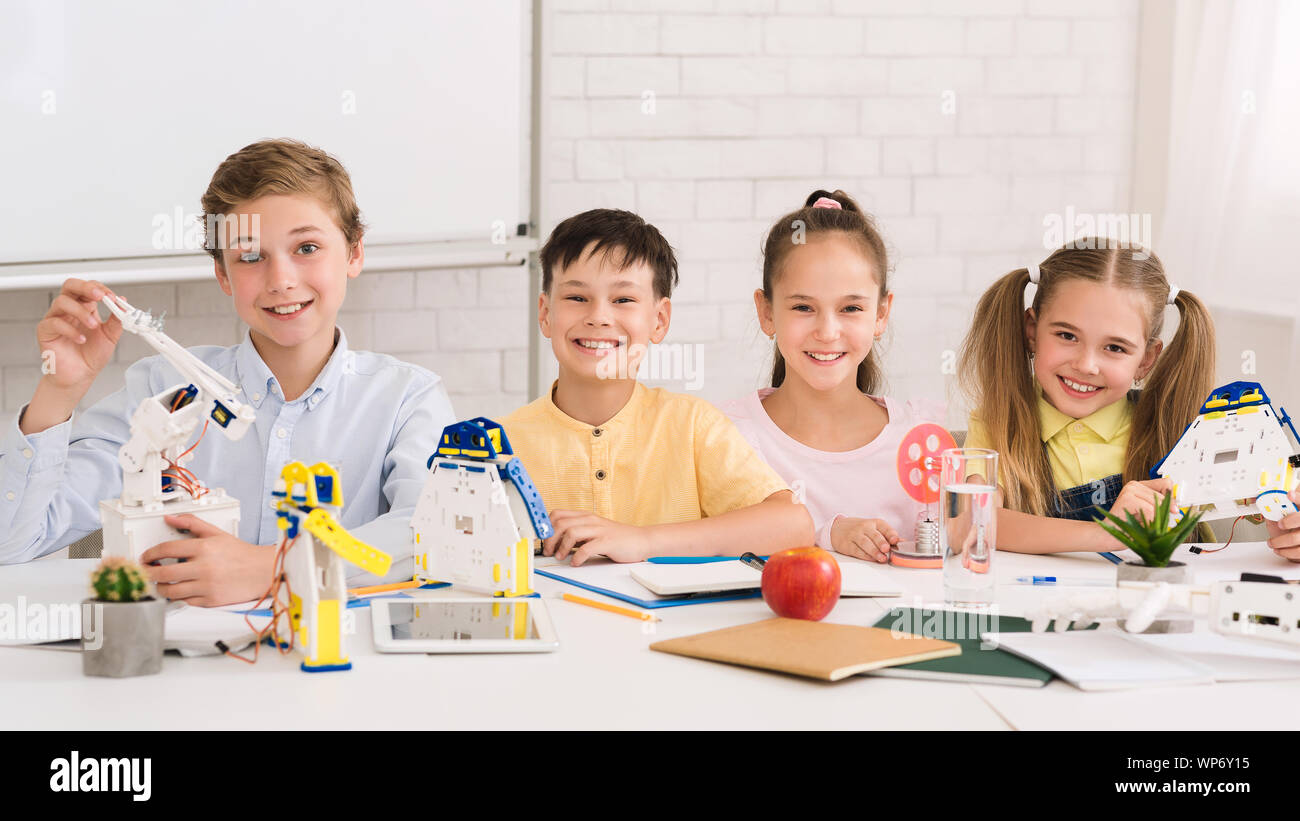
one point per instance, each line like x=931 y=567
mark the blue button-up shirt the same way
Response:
x=374 y=418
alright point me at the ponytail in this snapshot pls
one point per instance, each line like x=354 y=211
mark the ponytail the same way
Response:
x=1182 y=378
x=995 y=373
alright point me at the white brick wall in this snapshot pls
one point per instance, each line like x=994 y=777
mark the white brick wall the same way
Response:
x=958 y=123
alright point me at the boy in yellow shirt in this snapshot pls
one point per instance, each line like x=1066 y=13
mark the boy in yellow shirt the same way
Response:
x=631 y=472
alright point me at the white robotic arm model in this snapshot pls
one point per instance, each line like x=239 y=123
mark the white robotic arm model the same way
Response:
x=154 y=480
x=1264 y=608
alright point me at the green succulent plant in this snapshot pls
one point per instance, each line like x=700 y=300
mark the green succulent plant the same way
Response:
x=119 y=580
x=1154 y=541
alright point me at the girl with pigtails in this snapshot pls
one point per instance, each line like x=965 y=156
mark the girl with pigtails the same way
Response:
x=1078 y=394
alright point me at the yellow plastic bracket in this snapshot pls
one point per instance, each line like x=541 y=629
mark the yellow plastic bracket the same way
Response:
x=295 y=619
x=296 y=473
x=328 y=645
x=521 y=619
x=522 y=579
x=354 y=551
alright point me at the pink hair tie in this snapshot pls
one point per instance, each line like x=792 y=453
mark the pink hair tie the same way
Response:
x=826 y=202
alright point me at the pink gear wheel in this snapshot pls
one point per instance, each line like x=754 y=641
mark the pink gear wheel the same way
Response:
x=918 y=461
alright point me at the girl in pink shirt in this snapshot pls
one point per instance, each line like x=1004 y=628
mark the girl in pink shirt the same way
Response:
x=825 y=301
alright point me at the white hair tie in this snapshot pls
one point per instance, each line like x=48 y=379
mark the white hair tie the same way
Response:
x=1173 y=294
x=1034 y=273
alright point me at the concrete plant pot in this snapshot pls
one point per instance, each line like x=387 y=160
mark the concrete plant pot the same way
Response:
x=1173 y=573
x=129 y=635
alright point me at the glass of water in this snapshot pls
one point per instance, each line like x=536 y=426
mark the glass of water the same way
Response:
x=968 y=525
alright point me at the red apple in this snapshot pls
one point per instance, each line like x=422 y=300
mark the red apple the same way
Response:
x=803 y=583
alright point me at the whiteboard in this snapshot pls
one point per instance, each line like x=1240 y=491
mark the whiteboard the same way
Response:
x=114 y=115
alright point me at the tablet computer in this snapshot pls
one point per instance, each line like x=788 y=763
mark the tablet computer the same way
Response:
x=462 y=626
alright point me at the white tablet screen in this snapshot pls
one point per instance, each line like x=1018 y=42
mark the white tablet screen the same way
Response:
x=461 y=621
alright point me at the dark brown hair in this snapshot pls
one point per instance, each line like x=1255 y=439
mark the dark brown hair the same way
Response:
x=281 y=167
x=609 y=230
x=849 y=220
x=996 y=374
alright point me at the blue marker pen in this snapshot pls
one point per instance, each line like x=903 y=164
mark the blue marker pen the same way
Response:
x=1062 y=582
x=753 y=561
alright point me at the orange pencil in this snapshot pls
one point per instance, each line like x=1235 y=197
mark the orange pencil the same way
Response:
x=383 y=588
x=612 y=608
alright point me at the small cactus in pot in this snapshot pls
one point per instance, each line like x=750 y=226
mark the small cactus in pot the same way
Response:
x=1154 y=542
x=119 y=580
x=122 y=626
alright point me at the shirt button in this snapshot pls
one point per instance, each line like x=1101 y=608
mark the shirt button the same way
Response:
x=257 y=396
x=10 y=495
x=1077 y=428
x=1084 y=450
x=600 y=474
x=281 y=433
x=27 y=452
x=597 y=432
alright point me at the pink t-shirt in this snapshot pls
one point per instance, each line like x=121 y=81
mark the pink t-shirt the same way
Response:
x=861 y=483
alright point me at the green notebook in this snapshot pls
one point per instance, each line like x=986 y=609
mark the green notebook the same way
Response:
x=974 y=665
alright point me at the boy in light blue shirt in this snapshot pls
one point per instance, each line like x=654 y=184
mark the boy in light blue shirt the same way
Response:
x=373 y=417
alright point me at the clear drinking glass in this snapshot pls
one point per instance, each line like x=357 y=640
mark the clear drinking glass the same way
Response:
x=968 y=525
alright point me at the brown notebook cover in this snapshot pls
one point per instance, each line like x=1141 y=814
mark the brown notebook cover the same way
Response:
x=808 y=648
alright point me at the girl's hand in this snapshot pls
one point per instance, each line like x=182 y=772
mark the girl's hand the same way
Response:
x=1284 y=535
x=75 y=344
x=1141 y=497
x=869 y=539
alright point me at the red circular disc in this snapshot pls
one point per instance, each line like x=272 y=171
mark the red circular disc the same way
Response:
x=918 y=461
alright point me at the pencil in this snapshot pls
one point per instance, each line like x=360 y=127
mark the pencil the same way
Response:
x=612 y=608
x=383 y=588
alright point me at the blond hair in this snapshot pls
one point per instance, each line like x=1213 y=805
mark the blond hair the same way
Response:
x=996 y=374
x=280 y=167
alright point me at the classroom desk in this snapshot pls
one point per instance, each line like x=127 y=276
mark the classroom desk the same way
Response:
x=604 y=677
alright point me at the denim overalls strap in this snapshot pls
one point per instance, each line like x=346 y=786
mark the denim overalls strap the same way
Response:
x=1080 y=502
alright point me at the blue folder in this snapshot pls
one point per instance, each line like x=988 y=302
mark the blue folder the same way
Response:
x=675 y=601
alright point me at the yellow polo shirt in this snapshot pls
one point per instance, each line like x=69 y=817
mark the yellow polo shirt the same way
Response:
x=1079 y=450
x=664 y=458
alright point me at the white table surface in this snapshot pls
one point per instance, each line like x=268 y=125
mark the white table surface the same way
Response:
x=605 y=677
